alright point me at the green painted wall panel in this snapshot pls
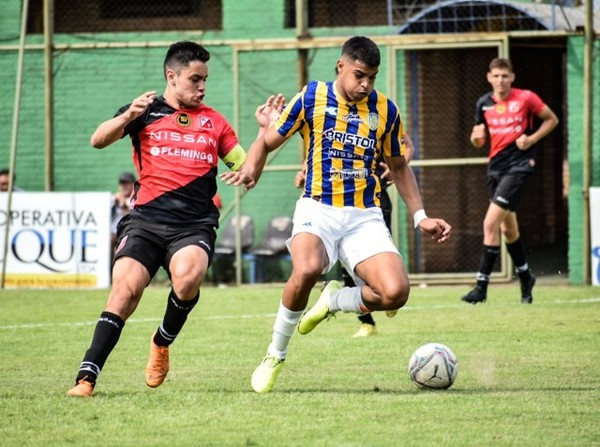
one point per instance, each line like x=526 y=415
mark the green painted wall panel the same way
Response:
x=575 y=127
x=577 y=202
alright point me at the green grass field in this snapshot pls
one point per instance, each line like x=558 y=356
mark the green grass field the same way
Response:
x=528 y=375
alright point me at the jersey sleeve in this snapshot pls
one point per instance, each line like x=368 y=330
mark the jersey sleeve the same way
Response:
x=479 y=116
x=134 y=127
x=292 y=116
x=227 y=139
x=535 y=103
x=393 y=142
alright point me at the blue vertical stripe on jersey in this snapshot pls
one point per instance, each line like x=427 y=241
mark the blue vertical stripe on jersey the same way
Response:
x=373 y=181
x=309 y=108
x=289 y=126
x=395 y=128
x=329 y=122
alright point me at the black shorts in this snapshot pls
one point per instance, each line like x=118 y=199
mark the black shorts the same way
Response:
x=386 y=208
x=506 y=190
x=153 y=244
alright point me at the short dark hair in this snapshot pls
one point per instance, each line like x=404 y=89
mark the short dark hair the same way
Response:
x=501 y=62
x=182 y=53
x=4 y=171
x=361 y=48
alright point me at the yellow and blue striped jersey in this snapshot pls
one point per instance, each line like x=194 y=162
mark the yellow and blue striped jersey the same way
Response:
x=342 y=142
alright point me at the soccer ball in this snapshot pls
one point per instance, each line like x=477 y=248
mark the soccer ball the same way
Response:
x=433 y=365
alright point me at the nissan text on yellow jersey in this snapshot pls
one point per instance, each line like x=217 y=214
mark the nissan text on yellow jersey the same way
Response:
x=342 y=141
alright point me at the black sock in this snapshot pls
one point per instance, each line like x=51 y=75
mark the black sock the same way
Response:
x=106 y=335
x=515 y=250
x=486 y=265
x=174 y=319
x=348 y=281
x=366 y=319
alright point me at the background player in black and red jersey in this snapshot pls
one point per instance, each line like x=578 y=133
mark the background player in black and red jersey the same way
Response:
x=506 y=115
x=177 y=143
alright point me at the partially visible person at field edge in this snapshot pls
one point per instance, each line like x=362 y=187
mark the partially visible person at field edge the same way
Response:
x=345 y=126
x=177 y=142
x=506 y=115
x=4 y=181
x=368 y=327
x=121 y=203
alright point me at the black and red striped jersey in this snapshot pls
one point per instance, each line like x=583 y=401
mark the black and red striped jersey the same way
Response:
x=176 y=154
x=505 y=121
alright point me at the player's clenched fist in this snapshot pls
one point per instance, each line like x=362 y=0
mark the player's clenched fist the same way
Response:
x=478 y=135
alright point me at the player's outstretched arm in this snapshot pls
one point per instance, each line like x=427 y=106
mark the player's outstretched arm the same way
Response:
x=252 y=168
x=267 y=140
x=406 y=185
x=113 y=129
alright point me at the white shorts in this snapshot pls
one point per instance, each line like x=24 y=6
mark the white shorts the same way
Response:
x=349 y=234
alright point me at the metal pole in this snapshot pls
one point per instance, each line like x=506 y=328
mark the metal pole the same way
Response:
x=390 y=16
x=302 y=33
x=15 y=131
x=392 y=90
x=49 y=94
x=238 y=193
x=588 y=92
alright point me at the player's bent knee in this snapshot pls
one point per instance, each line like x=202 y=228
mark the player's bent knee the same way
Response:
x=186 y=290
x=186 y=282
x=398 y=301
x=395 y=298
x=187 y=273
x=510 y=235
x=307 y=273
x=490 y=227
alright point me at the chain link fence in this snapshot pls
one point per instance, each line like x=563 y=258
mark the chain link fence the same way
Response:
x=101 y=16
x=437 y=87
x=409 y=17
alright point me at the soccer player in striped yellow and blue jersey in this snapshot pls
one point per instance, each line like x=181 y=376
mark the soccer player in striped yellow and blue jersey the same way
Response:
x=342 y=141
x=345 y=126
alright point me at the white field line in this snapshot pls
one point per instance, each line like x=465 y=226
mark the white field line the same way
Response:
x=252 y=316
x=130 y=321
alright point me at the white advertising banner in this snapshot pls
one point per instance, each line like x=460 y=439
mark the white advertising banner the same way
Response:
x=56 y=240
x=595 y=234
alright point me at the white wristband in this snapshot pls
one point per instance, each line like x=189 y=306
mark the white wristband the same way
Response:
x=419 y=216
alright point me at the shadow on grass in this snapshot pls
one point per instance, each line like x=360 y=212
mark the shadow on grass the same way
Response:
x=349 y=392
x=453 y=391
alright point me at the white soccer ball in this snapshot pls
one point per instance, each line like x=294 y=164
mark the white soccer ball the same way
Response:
x=433 y=365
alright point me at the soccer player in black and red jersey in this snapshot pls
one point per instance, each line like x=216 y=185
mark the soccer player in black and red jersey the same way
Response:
x=177 y=143
x=506 y=115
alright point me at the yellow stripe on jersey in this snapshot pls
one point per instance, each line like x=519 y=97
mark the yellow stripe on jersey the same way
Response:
x=342 y=142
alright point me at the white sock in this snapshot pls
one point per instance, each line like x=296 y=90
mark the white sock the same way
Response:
x=348 y=299
x=283 y=329
x=522 y=268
